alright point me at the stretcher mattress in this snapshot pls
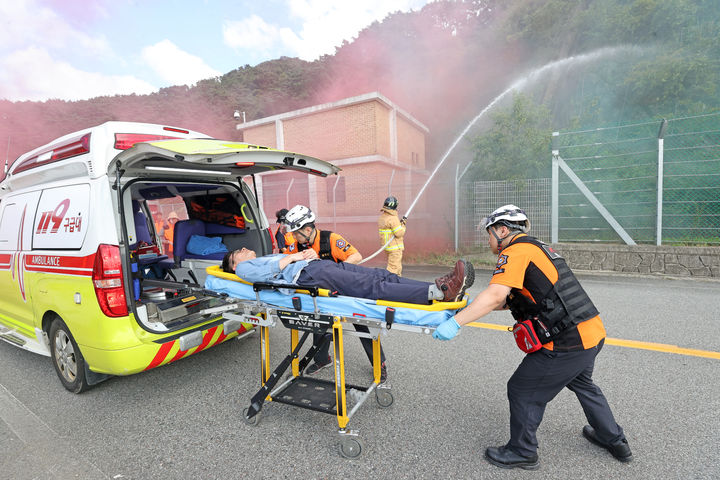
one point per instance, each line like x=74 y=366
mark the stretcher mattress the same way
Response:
x=405 y=313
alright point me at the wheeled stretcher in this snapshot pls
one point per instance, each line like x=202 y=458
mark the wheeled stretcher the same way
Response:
x=312 y=310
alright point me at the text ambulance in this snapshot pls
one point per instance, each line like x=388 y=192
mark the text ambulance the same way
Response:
x=84 y=275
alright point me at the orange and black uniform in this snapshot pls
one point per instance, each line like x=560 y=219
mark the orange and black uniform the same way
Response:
x=281 y=239
x=328 y=245
x=332 y=246
x=547 y=287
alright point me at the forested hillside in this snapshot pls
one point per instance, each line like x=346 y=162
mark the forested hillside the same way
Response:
x=444 y=64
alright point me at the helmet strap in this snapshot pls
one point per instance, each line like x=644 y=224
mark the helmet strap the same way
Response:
x=501 y=240
x=309 y=239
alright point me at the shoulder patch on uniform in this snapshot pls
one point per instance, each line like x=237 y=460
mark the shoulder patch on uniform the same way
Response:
x=340 y=243
x=550 y=251
x=502 y=260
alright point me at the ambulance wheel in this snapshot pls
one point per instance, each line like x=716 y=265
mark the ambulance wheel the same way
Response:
x=251 y=421
x=384 y=397
x=66 y=357
x=351 y=447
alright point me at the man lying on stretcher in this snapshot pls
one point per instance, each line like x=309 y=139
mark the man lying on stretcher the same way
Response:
x=304 y=268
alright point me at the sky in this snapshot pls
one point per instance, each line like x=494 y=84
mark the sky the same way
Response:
x=80 y=49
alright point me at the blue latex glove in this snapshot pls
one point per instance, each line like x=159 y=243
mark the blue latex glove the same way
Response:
x=447 y=329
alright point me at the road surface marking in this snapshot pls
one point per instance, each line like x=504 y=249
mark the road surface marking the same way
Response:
x=657 y=347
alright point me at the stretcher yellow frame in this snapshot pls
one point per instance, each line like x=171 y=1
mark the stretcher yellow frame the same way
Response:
x=435 y=306
x=341 y=407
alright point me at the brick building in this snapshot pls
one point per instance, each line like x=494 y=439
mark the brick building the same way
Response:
x=381 y=151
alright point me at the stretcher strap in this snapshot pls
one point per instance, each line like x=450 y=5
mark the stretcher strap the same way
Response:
x=389 y=317
x=258 y=399
x=312 y=291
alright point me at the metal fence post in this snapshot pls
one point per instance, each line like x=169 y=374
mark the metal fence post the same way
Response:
x=457 y=201
x=661 y=148
x=554 y=194
x=335 y=203
x=287 y=192
x=457 y=205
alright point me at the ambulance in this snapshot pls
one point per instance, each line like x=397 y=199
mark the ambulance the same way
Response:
x=91 y=272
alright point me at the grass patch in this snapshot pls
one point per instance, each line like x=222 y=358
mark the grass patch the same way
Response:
x=478 y=257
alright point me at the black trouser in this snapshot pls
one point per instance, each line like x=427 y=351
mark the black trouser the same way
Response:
x=539 y=378
x=323 y=354
x=358 y=281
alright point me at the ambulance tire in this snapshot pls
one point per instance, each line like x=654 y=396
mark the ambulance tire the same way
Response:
x=66 y=357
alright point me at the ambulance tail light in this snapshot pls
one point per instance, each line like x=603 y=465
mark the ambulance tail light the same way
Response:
x=108 y=281
x=72 y=148
x=123 y=141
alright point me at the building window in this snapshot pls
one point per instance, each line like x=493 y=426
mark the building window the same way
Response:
x=339 y=190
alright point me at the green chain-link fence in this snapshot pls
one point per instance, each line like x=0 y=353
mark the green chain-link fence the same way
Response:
x=653 y=182
x=606 y=187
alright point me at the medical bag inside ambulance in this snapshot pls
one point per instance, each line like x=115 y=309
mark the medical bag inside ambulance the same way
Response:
x=105 y=235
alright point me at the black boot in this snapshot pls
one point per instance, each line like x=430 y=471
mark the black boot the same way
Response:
x=619 y=449
x=503 y=457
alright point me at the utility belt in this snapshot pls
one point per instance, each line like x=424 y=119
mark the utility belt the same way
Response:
x=534 y=327
x=531 y=334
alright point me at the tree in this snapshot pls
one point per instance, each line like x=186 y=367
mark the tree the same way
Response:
x=517 y=146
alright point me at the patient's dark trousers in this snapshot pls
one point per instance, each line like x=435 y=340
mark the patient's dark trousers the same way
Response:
x=539 y=378
x=356 y=281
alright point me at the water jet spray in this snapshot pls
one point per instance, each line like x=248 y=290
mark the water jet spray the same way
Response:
x=518 y=85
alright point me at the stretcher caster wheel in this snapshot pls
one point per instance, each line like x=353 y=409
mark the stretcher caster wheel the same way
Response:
x=351 y=447
x=251 y=421
x=384 y=397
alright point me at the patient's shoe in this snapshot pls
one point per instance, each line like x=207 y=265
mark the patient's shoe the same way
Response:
x=454 y=284
x=316 y=367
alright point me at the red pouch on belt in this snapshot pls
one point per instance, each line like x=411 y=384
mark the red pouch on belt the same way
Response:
x=525 y=336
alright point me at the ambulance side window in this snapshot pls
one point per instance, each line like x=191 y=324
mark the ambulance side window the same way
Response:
x=16 y=222
x=11 y=219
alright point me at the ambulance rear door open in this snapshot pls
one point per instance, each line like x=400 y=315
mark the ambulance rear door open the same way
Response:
x=175 y=163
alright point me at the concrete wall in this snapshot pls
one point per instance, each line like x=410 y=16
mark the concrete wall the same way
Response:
x=643 y=259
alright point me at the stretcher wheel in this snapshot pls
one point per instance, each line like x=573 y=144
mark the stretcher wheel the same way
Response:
x=384 y=397
x=251 y=421
x=351 y=447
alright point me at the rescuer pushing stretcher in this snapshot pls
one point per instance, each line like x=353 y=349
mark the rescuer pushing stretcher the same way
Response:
x=557 y=326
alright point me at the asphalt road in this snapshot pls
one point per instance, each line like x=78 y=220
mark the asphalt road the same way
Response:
x=184 y=420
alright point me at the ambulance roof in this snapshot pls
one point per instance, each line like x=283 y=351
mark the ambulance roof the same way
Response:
x=89 y=151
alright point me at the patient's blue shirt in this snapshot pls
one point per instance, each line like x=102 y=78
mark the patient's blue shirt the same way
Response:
x=267 y=269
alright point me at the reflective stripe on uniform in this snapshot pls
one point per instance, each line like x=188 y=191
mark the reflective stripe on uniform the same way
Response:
x=386 y=234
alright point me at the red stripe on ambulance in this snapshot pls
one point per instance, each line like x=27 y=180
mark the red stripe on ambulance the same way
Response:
x=206 y=339
x=60 y=265
x=5 y=261
x=160 y=355
x=166 y=348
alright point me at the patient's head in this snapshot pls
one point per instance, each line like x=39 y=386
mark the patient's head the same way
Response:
x=231 y=259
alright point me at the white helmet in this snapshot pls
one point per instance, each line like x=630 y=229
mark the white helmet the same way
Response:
x=508 y=215
x=297 y=217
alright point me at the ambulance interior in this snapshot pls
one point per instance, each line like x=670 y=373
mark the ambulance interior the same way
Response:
x=174 y=231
